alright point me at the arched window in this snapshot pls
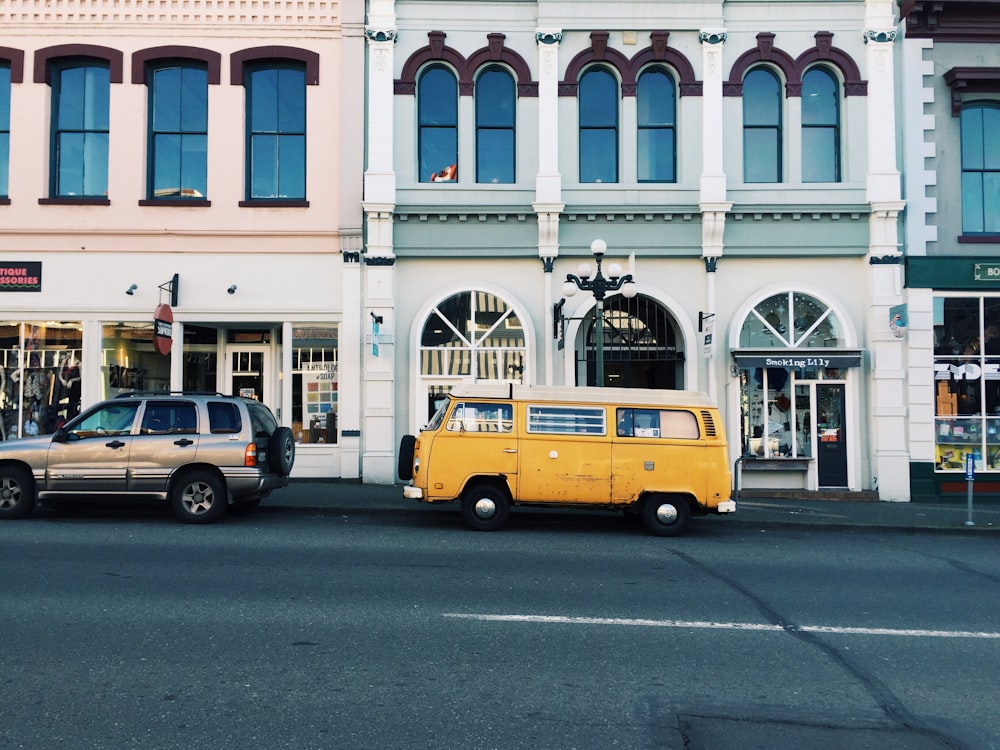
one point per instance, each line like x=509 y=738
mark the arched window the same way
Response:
x=657 y=127
x=495 y=118
x=981 y=168
x=598 y=108
x=792 y=320
x=178 y=131
x=762 y=142
x=81 y=96
x=820 y=126
x=473 y=334
x=437 y=122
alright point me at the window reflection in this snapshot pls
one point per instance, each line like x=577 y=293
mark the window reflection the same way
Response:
x=276 y=103
x=80 y=113
x=179 y=132
x=761 y=126
x=820 y=126
x=437 y=119
x=656 y=127
x=495 y=139
x=598 y=107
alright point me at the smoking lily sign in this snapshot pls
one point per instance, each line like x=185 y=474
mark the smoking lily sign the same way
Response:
x=22 y=276
x=163 y=329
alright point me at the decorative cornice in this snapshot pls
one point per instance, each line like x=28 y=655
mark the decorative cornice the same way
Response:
x=548 y=37
x=882 y=37
x=351 y=257
x=548 y=264
x=380 y=260
x=885 y=260
x=711 y=263
x=712 y=37
x=380 y=35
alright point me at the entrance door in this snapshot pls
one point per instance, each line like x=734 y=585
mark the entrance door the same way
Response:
x=831 y=446
x=248 y=370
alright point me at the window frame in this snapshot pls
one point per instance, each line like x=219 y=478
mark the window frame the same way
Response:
x=652 y=127
x=448 y=173
x=584 y=127
x=985 y=219
x=510 y=128
x=776 y=126
x=833 y=126
x=279 y=133
x=5 y=88
x=155 y=68
x=59 y=107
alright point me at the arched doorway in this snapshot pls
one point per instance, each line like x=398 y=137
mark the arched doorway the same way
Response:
x=471 y=336
x=640 y=346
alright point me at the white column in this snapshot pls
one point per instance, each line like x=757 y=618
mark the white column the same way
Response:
x=548 y=203
x=886 y=422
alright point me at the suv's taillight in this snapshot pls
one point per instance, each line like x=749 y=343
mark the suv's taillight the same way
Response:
x=250 y=456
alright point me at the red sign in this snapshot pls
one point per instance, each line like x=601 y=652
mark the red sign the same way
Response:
x=163 y=329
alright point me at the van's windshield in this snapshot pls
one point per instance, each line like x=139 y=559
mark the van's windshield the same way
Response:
x=438 y=417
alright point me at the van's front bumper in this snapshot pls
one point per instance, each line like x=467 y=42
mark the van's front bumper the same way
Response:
x=726 y=506
x=412 y=493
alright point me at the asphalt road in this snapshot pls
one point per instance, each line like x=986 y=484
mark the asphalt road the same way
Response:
x=300 y=629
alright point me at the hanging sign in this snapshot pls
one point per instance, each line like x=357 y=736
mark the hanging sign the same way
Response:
x=163 y=329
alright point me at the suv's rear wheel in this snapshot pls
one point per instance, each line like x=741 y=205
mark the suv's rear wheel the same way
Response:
x=281 y=451
x=17 y=492
x=485 y=507
x=198 y=497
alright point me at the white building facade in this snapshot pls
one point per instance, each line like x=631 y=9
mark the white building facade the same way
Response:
x=739 y=160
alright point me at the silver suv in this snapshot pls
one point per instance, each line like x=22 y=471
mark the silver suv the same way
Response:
x=199 y=451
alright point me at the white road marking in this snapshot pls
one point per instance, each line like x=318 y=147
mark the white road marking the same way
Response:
x=704 y=625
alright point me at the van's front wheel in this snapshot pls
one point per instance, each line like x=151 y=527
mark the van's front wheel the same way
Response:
x=665 y=515
x=485 y=507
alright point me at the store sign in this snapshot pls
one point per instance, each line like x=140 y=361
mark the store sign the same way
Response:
x=25 y=276
x=986 y=272
x=163 y=329
x=799 y=360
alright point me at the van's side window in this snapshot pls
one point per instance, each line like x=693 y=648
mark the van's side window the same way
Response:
x=677 y=425
x=481 y=417
x=579 y=420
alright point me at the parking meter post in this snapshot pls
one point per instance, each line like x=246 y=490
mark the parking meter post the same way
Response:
x=970 y=477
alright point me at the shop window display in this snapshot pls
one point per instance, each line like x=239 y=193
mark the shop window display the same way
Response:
x=40 y=376
x=967 y=382
x=129 y=360
x=315 y=383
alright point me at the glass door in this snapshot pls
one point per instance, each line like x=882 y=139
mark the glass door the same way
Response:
x=832 y=446
x=248 y=370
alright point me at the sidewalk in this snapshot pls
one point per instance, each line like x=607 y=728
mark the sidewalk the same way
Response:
x=347 y=496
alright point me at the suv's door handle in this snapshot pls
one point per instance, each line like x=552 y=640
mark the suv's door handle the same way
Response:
x=115 y=444
x=184 y=441
x=510 y=450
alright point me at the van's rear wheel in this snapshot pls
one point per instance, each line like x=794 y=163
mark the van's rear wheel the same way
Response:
x=665 y=515
x=485 y=507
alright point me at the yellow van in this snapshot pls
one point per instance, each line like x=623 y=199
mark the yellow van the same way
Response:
x=661 y=455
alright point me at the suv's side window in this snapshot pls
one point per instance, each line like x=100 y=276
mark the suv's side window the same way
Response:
x=110 y=419
x=173 y=417
x=224 y=417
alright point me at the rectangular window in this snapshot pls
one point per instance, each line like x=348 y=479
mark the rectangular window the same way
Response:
x=481 y=417
x=80 y=130
x=315 y=380
x=276 y=133
x=578 y=420
x=4 y=129
x=178 y=148
x=967 y=382
x=130 y=362
x=657 y=423
x=40 y=376
x=981 y=169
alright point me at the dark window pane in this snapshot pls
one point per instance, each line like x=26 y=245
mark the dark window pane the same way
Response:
x=760 y=155
x=598 y=156
x=437 y=102
x=71 y=148
x=263 y=166
x=97 y=107
x=194 y=100
x=69 y=99
x=972 y=138
x=4 y=97
x=495 y=156
x=991 y=202
x=4 y=162
x=167 y=100
x=972 y=202
x=819 y=156
x=264 y=101
x=991 y=137
x=291 y=166
x=95 y=164
x=820 y=98
x=194 y=166
x=655 y=99
x=291 y=103
x=166 y=165
x=495 y=99
x=598 y=97
x=761 y=98
x=656 y=155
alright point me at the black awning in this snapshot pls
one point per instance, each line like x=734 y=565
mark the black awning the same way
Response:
x=800 y=359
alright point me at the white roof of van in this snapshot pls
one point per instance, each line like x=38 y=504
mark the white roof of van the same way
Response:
x=570 y=394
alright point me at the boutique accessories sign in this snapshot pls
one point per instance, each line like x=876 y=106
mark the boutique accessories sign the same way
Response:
x=25 y=276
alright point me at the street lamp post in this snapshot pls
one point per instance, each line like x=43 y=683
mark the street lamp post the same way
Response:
x=600 y=285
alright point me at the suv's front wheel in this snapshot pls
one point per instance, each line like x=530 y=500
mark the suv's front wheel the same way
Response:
x=198 y=497
x=17 y=492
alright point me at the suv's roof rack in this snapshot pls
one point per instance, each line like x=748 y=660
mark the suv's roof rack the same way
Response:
x=134 y=394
